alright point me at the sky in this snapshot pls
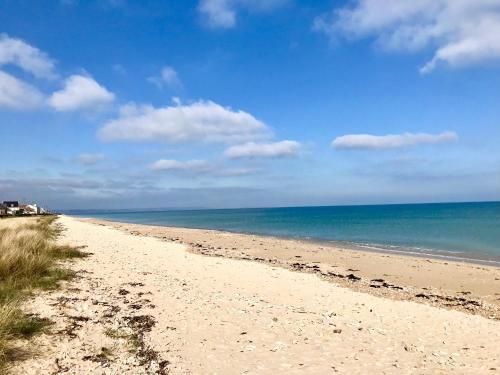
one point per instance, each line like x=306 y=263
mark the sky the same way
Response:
x=248 y=103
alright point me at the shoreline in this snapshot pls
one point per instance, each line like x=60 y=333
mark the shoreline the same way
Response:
x=465 y=286
x=350 y=245
x=424 y=255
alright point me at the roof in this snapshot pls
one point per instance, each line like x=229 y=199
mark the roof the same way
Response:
x=11 y=203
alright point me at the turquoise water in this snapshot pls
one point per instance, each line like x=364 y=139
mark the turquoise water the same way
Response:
x=464 y=230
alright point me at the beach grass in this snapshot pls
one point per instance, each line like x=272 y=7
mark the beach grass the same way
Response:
x=30 y=260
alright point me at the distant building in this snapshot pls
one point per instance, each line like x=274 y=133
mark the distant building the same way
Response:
x=12 y=207
x=11 y=204
x=32 y=209
x=3 y=209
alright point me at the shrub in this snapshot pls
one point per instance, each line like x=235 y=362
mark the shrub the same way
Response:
x=29 y=260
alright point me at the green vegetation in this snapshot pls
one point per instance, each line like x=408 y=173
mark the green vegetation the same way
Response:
x=132 y=338
x=29 y=261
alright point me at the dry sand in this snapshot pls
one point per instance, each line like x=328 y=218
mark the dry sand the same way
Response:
x=145 y=305
x=469 y=287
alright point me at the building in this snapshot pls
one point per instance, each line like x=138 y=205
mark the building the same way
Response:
x=12 y=207
x=3 y=209
x=32 y=209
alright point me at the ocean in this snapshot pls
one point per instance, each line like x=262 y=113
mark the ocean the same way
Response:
x=469 y=231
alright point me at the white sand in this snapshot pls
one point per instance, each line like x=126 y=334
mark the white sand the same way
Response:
x=224 y=316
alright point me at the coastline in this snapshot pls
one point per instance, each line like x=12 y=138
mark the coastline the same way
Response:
x=145 y=302
x=465 y=286
x=431 y=254
x=427 y=253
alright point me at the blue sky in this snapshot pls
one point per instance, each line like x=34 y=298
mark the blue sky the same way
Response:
x=244 y=103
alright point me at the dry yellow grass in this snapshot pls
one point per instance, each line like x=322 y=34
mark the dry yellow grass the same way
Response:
x=29 y=258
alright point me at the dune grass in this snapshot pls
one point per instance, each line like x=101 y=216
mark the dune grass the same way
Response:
x=29 y=261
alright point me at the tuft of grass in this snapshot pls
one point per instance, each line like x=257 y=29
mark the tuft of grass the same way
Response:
x=50 y=280
x=29 y=260
x=135 y=342
x=133 y=339
x=25 y=325
x=116 y=333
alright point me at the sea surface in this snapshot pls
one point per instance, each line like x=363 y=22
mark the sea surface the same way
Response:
x=469 y=231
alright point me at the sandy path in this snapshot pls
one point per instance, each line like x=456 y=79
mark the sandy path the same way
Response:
x=224 y=316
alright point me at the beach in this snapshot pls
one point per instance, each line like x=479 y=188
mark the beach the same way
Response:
x=186 y=301
x=470 y=287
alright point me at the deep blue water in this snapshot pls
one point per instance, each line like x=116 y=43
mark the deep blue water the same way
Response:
x=467 y=230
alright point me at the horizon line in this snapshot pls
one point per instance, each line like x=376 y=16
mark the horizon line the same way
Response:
x=161 y=209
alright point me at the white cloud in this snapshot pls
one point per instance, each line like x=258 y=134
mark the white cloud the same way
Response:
x=14 y=92
x=30 y=59
x=202 y=121
x=168 y=77
x=199 y=167
x=17 y=94
x=236 y=172
x=461 y=32
x=374 y=142
x=219 y=13
x=175 y=165
x=89 y=159
x=79 y=92
x=222 y=13
x=264 y=150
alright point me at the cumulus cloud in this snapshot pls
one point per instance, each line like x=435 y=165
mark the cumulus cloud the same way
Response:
x=222 y=13
x=264 y=150
x=374 y=142
x=17 y=52
x=17 y=94
x=14 y=92
x=89 y=159
x=168 y=77
x=461 y=32
x=80 y=92
x=202 y=121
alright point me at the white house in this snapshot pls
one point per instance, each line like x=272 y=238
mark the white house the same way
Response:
x=33 y=209
x=12 y=207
